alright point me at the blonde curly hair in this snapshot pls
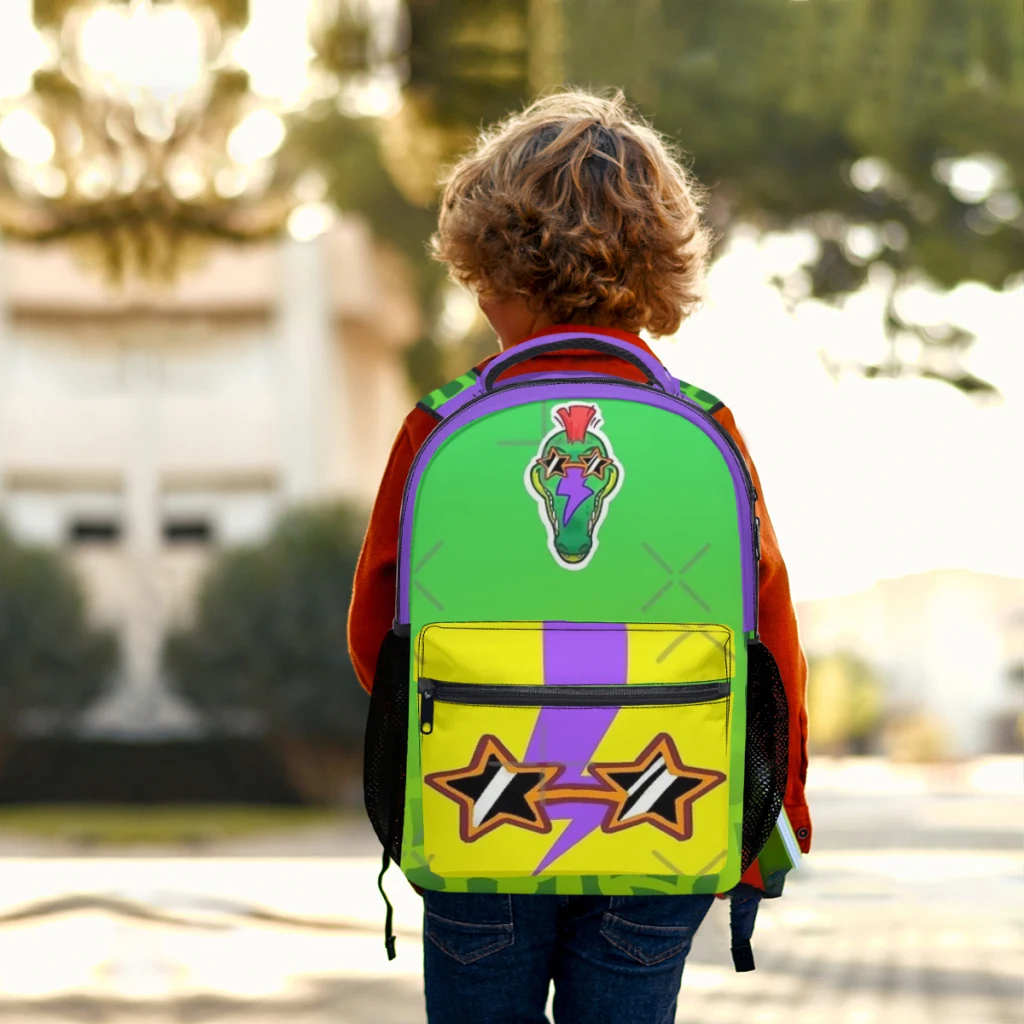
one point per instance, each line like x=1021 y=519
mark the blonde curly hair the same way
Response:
x=580 y=207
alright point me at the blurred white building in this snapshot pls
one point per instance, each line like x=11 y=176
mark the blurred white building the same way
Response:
x=949 y=643
x=142 y=430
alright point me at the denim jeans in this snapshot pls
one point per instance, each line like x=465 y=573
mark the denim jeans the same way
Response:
x=489 y=959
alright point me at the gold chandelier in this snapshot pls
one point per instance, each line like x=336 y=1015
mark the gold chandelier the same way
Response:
x=150 y=128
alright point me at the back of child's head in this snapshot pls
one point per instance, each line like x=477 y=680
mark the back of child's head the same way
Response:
x=578 y=206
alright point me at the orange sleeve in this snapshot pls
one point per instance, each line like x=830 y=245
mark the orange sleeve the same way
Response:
x=372 y=610
x=777 y=625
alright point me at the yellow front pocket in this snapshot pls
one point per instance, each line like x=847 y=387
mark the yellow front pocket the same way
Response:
x=574 y=748
x=630 y=789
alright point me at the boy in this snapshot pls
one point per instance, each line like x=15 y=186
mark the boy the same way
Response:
x=573 y=212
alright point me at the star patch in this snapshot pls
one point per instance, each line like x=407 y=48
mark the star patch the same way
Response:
x=656 y=788
x=495 y=790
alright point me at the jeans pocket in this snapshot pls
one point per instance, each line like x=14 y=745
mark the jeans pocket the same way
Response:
x=653 y=930
x=468 y=926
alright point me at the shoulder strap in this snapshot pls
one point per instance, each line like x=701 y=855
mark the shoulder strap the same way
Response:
x=432 y=403
x=707 y=401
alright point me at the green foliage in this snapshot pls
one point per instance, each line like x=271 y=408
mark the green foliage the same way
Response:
x=777 y=101
x=269 y=637
x=469 y=59
x=52 y=663
x=357 y=181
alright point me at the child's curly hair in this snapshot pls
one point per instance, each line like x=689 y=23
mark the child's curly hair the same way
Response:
x=579 y=206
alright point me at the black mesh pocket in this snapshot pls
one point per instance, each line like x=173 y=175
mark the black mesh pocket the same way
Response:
x=767 y=760
x=387 y=734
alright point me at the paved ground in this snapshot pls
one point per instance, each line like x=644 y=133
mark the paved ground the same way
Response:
x=910 y=911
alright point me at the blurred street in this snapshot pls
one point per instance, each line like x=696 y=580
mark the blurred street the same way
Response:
x=909 y=910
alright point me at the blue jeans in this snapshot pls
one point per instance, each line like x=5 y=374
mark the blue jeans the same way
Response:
x=614 y=959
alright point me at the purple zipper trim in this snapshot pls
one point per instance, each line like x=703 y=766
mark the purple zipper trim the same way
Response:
x=467 y=395
x=654 y=365
x=517 y=353
x=508 y=398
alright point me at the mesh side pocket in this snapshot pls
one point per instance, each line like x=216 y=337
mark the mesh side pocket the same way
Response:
x=767 y=754
x=384 y=752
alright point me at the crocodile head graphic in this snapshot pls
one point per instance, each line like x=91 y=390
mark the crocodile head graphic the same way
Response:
x=574 y=474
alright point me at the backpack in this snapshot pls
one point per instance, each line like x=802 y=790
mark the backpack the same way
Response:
x=574 y=698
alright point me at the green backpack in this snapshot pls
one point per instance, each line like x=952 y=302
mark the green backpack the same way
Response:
x=574 y=698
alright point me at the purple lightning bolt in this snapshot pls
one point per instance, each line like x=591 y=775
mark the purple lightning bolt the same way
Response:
x=596 y=655
x=573 y=487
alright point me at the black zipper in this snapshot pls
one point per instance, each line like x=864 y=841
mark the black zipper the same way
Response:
x=687 y=402
x=498 y=695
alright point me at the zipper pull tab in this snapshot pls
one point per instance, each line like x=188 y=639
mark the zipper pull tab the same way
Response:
x=426 y=689
x=757 y=537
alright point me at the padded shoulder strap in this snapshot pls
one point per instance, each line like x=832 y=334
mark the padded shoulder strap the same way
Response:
x=432 y=403
x=707 y=401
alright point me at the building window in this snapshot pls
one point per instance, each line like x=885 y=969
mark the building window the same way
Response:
x=188 y=531
x=94 y=530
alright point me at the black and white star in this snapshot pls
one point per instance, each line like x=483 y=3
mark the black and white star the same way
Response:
x=554 y=463
x=595 y=464
x=656 y=788
x=494 y=789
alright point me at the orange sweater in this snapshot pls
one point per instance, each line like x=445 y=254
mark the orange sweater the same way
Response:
x=373 y=595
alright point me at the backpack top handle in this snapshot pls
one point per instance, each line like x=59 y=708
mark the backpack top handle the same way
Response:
x=652 y=369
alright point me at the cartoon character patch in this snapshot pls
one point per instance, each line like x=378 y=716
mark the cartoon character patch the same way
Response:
x=573 y=477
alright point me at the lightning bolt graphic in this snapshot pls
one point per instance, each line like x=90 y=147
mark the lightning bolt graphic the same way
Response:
x=596 y=655
x=573 y=487
x=584 y=817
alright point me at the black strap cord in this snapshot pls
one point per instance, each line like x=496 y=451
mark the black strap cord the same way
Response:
x=743 y=904
x=389 y=917
x=743 y=957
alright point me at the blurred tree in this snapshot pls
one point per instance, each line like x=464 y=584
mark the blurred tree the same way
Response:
x=467 y=63
x=844 y=704
x=267 y=647
x=893 y=130
x=52 y=663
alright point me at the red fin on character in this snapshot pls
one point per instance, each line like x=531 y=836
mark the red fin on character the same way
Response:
x=576 y=420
